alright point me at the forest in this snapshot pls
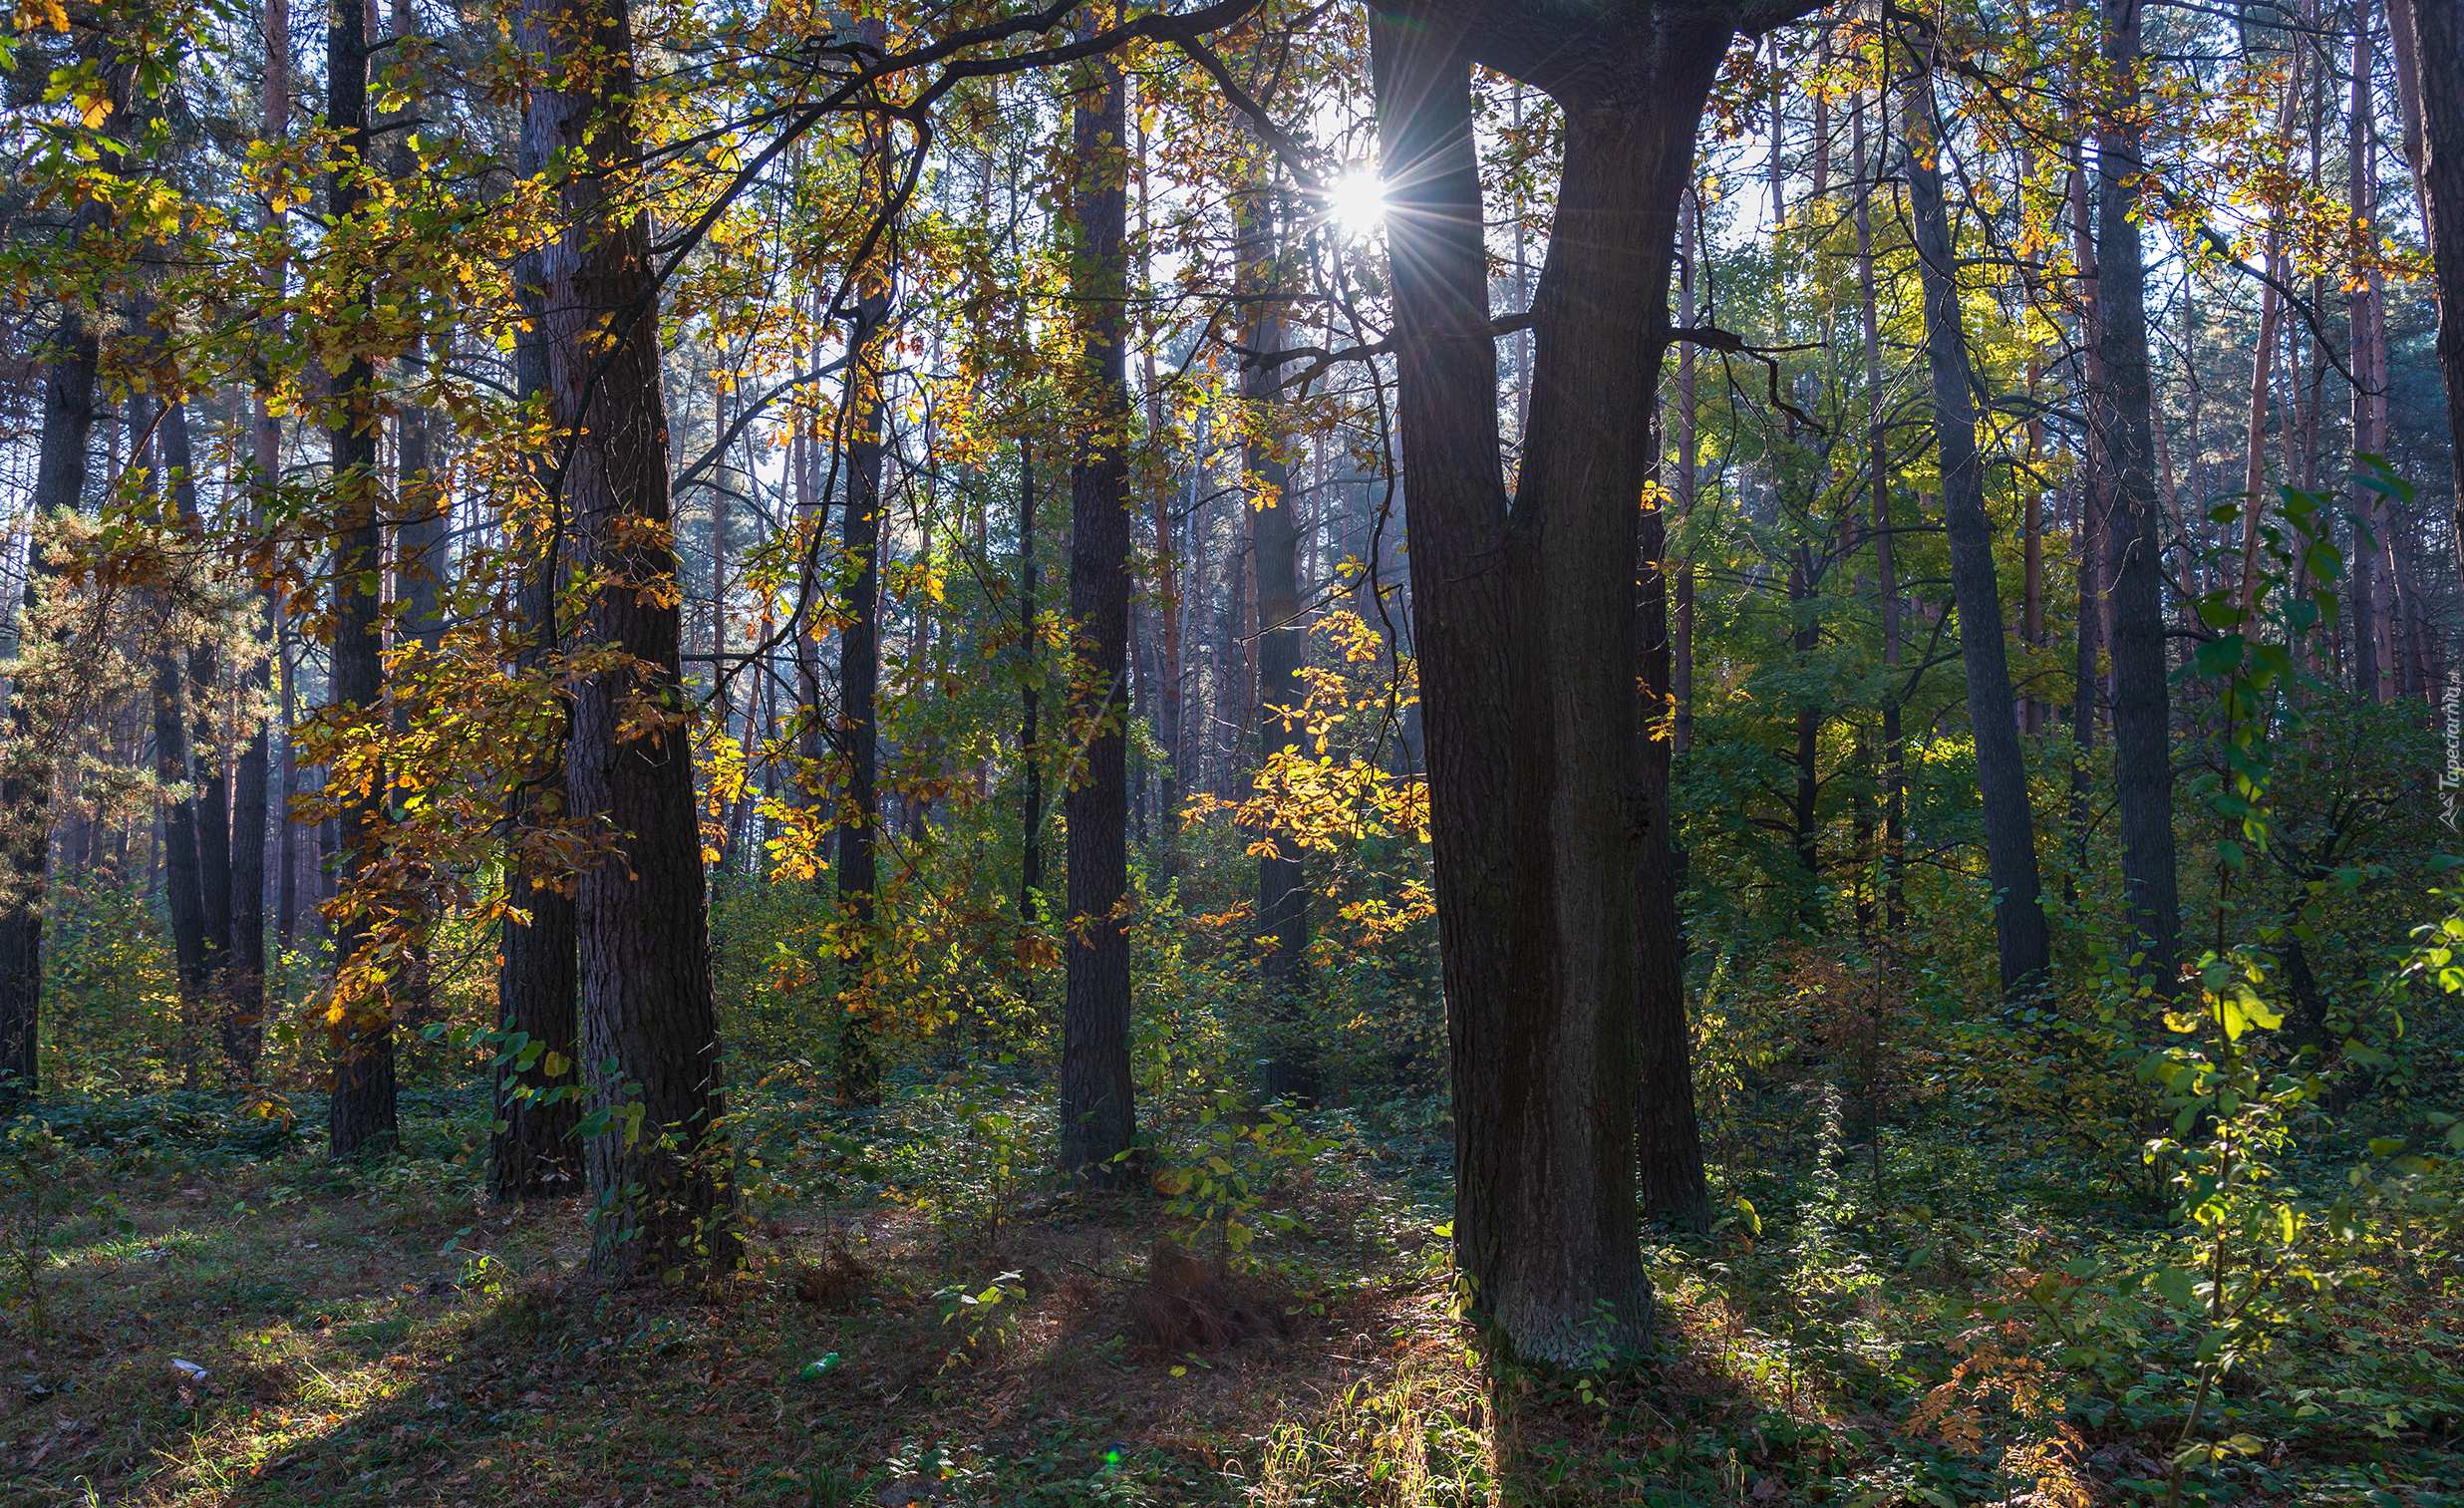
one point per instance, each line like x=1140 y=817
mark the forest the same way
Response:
x=1232 y=752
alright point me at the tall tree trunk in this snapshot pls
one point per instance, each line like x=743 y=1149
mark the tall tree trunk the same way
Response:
x=1031 y=709
x=2374 y=617
x=212 y=813
x=2142 y=731
x=859 y=681
x=662 y=1191
x=1668 y=1138
x=533 y=1148
x=361 y=1119
x=1526 y=626
x=249 y=783
x=1098 y=1111
x=420 y=526
x=1283 y=895
x=2002 y=769
x=1681 y=630
x=2439 y=49
x=287 y=836
x=1878 y=466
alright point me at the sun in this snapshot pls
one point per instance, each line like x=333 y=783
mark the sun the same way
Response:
x=1356 y=199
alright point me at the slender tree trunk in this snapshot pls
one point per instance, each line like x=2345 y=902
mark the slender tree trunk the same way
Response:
x=210 y=805
x=1878 y=466
x=1668 y=1138
x=663 y=1192
x=1097 y=1110
x=2087 y=679
x=2142 y=731
x=2002 y=769
x=287 y=845
x=1688 y=480
x=1283 y=895
x=2373 y=601
x=249 y=804
x=859 y=681
x=1030 y=735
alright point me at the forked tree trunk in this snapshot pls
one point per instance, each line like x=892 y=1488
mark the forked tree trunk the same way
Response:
x=659 y=1175
x=2002 y=769
x=1097 y=1113
x=2142 y=728
x=1526 y=623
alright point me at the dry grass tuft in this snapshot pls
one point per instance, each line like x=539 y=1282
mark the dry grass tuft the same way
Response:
x=1187 y=1305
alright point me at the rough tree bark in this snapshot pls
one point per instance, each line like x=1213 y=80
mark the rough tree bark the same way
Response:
x=1098 y=1111
x=538 y=968
x=361 y=1119
x=859 y=681
x=660 y=1176
x=2002 y=768
x=1525 y=620
x=2438 y=51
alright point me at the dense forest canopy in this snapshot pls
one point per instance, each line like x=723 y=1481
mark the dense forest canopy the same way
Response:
x=1740 y=715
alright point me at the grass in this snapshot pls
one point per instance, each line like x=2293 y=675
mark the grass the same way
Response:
x=383 y=1338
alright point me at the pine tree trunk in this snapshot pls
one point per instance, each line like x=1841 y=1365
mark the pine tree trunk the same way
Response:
x=1098 y=1111
x=660 y=1174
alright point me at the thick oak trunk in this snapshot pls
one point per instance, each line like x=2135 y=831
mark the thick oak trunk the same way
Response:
x=659 y=1175
x=1525 y=619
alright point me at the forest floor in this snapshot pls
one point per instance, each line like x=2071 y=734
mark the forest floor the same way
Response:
x=380 y=1337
